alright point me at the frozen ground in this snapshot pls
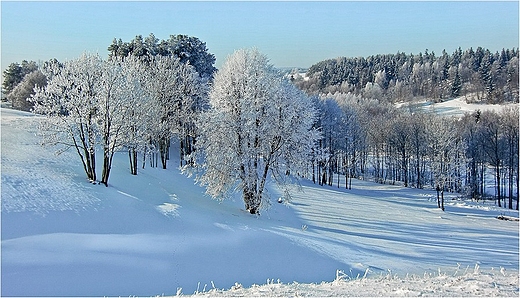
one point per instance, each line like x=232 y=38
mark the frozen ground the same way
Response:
x=157 y=233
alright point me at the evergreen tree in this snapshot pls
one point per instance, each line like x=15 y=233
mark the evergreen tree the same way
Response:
x=456 y=85
x=15 y=73
x=489 y=76
x=188 y=49
x=21 y=94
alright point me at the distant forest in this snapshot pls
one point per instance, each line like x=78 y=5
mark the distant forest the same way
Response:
x=488 y=77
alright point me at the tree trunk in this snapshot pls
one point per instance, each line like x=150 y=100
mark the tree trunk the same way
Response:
x=442 y=199
x=350 y=181
x=346 y=173
x=313 y=172
x=107 y=163
x=405 y=168
x=438 y=198
x=88 y=160
x=331 y=172
x=92 y=166
x=511 y=172
x=163 y=150
x=181 y=150
x=144 y=158
x=319 y=172
x=251 y=201
x=497 y=173
x=262 y=183
x=517 y=188
x=132 y=155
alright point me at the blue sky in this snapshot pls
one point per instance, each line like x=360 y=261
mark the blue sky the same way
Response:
x=291 y=34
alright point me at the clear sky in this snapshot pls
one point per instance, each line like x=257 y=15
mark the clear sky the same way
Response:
x=291 y=34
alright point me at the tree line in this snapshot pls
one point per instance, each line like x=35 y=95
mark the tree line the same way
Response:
x=371 y=139
x=479 y=74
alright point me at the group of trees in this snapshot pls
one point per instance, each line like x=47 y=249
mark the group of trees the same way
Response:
x=247 y=122
x=374 y=140
x=132 y=102
x=188 y=49
x=488 y=77
x=19 y=82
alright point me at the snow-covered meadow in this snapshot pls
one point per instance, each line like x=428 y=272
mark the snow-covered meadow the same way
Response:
x=454 y=106
x=158 y=234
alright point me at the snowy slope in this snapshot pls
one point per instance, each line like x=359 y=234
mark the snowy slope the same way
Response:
x=157 y=233
x=453 y=107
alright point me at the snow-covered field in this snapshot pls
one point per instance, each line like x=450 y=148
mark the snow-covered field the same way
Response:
x=158 y=234
x=454 y=107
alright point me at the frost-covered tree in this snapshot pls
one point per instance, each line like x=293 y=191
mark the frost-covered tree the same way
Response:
x=70 y=102
x=177 y=90
x=494 y=147
x=258 y=125
x=188 y=49
x=114 y=91
x=418 y=146
x=509 y=118
x=142 y=111
x=15 y=73
x=330 y=123
x=354 y=139
x=25 y=89
x=400 y=140
x=446 y=151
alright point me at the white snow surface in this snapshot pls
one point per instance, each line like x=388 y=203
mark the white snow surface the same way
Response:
x=454 y=106
x=157 y=233
x=472 y=282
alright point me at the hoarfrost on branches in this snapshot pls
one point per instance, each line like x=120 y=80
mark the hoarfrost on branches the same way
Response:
x=258 y=124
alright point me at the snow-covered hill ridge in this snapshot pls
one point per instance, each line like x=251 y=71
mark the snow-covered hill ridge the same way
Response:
x=453 y=107
x=157 y=233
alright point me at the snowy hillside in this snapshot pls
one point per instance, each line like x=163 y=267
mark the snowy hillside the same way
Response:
x=453 y=107
x=157 y=233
